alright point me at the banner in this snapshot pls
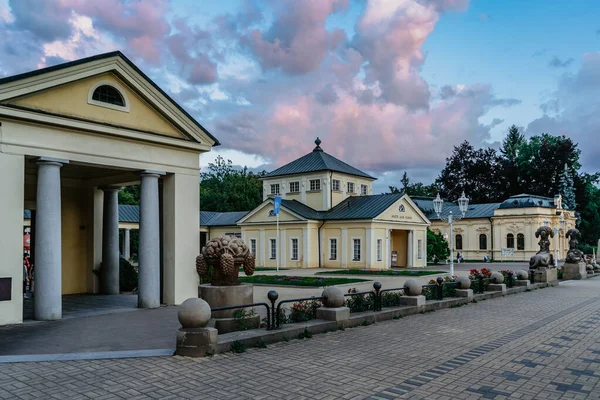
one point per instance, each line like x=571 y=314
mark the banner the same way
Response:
x=276 y=205
x=508 y=252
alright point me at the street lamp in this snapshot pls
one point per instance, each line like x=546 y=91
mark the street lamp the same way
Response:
x=463 y=205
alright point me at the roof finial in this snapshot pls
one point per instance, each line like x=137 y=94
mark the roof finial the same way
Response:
x=318 y=143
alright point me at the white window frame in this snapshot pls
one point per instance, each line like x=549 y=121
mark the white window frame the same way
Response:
x=348 y=187
x=108 y=105
x=272 y=247
x=277 y=187
x=292 y=258
x=335 y=185
x=379 y=249
x=333 y=239
x=360 y=251
x=297 y=185
x=364 y=190
x=420 y=249
x=253 y=247
x=317 y=185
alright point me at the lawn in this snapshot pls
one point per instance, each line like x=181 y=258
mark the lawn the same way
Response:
x=259 y=269
x=386 y=272
x=309 y=281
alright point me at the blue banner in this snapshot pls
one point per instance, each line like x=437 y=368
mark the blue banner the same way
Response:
x=276 y=204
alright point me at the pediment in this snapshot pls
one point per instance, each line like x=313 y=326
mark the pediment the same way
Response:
x=404 y=210
x=263 y=215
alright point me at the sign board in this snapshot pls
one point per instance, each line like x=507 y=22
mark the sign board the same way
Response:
x=508 y=252
x=276 y=205
x=5 y=289
x=394 y=258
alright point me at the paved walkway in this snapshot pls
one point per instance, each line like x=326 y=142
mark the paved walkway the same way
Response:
x=544 y=344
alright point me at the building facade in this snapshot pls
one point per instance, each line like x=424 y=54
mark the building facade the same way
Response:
x=70 y=136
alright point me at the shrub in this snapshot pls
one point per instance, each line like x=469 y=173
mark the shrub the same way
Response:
x=305 y=335
x=390 y=299
x=505 y=272
x=241 y=317
x=261 y=344
x=238 y=347
x=360 y=302
x=128 y=276
x=304 y=311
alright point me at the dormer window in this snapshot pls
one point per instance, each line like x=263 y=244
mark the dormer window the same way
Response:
x=108 y=94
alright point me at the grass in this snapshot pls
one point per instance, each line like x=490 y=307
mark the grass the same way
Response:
x=385 y=272
x=259 y=269
x=309 y=281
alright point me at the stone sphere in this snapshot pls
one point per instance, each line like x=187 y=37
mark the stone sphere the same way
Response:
x=463 y=282
x=522 y=275
x=334 y=297
x=413 y=287
x=194 y=313
x=497 y=277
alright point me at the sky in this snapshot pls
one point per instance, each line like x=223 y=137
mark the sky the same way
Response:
x=387 y=85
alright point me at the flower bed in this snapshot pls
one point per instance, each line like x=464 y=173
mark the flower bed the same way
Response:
x=309 y=281
x=385 y=272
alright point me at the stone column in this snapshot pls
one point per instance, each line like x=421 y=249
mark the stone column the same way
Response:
x=47 y=302
x=149 y=252
x=262 y=244
x=110 y=241
x=369 y=248
x=127 y=244
x=410 y=250
x=344 y=248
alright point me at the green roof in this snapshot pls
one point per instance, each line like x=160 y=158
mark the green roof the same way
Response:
x=528 y=200
x=317 y=160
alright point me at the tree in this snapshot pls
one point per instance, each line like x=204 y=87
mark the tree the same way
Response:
x=414 y=189
x=130 y=195
x=566 y=189
x=224 y=188
x=587 y=195
x=477 y=172
x=437 y=247
x=510 y=167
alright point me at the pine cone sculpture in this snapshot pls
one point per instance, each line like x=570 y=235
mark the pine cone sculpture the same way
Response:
x=201 y=266
x=249 y=264
x=227 y=264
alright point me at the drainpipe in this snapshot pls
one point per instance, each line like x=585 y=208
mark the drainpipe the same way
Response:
x=330 y=190
x=319 y=239
x=492 y=237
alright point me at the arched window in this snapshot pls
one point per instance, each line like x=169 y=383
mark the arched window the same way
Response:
x=108 y=94
x=520 y=241
x=510 y=241
x=458 y=242
x=483 y=241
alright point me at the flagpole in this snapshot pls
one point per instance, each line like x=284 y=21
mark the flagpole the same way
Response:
x=277 y=255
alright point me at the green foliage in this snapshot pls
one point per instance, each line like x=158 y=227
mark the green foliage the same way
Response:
x=304 y=311
x=128 y=276
x=414 y=189
x=238 y=347
x=566 y=189
x=510 y=166
x=224 y=188
x=359 y=302
x=391 y=299
x=130 y=195
x=437 y=247
x=305 y=334
x=241 y=317
x=365 y=323
x=261 y=344
x=377 y=272
x=311 y=281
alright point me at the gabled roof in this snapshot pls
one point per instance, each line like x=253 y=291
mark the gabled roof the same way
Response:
x=317 y=160
x=104 y=56
x=212 y=218
x=302 y=209
x=362 y=207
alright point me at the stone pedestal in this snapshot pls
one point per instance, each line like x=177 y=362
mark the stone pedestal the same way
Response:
x=468 y=293
x=574 y=271
x=333 y=314
x=196 y=342
x=413 y=300
x=497 y=287
x=224 y=296
x=545 y=275
x=522 y=283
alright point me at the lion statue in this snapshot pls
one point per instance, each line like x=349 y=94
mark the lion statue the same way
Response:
x=543 y=258
x=225 y=255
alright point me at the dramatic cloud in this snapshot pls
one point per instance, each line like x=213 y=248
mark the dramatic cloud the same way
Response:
x=556 y=62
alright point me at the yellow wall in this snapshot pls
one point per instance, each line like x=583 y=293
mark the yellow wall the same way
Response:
x=72 y=100
x=74 y=240
x=399 y=242
x=409 y=215
x=262 y=215
x=217 y=231
x=331 y=233
x=343 y=194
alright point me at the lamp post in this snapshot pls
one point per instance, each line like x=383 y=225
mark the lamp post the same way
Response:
x=563 y=225
x=463 y=205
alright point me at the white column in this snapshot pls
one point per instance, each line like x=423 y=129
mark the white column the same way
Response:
x=369 y=248
x=261 y=248
x=127 y=244
x=344 y=248
x=305 y=248
x=303 y=190
x=388 y=248
x=410 y=253
x=47 y=301
x=110 y=241
x=282 y=250
x=149 y=275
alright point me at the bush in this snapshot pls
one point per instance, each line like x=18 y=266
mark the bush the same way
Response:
x=241 y=317
x=238 y=347
x=304 y=311
x=437 y=247
x=359 y=303
x=390 y=299
x=128 y=276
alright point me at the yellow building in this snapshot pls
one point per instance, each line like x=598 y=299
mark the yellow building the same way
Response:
x=70 y=136
x=487 y=229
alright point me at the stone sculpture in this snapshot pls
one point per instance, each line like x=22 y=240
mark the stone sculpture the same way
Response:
x=225 y=255
x=543 y=258
x=574 y=255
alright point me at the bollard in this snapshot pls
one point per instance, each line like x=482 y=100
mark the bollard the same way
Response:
x=440 y=288
x=480 y=277
x=272 y=296
x=377 y=299
x=510 y=279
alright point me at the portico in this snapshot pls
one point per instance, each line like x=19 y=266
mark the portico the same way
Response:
x=65 y=152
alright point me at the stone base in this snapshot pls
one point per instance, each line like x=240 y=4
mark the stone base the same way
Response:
x=224 y=296
x=333 y=314
x=226 y=325
x=574 y=271
x=197 y=342
x=413 y=300
x=522 y=283
x=468 y=293
x=497 y=287
x=545 y=275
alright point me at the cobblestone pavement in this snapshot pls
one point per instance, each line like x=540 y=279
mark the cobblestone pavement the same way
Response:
x=544 y=344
